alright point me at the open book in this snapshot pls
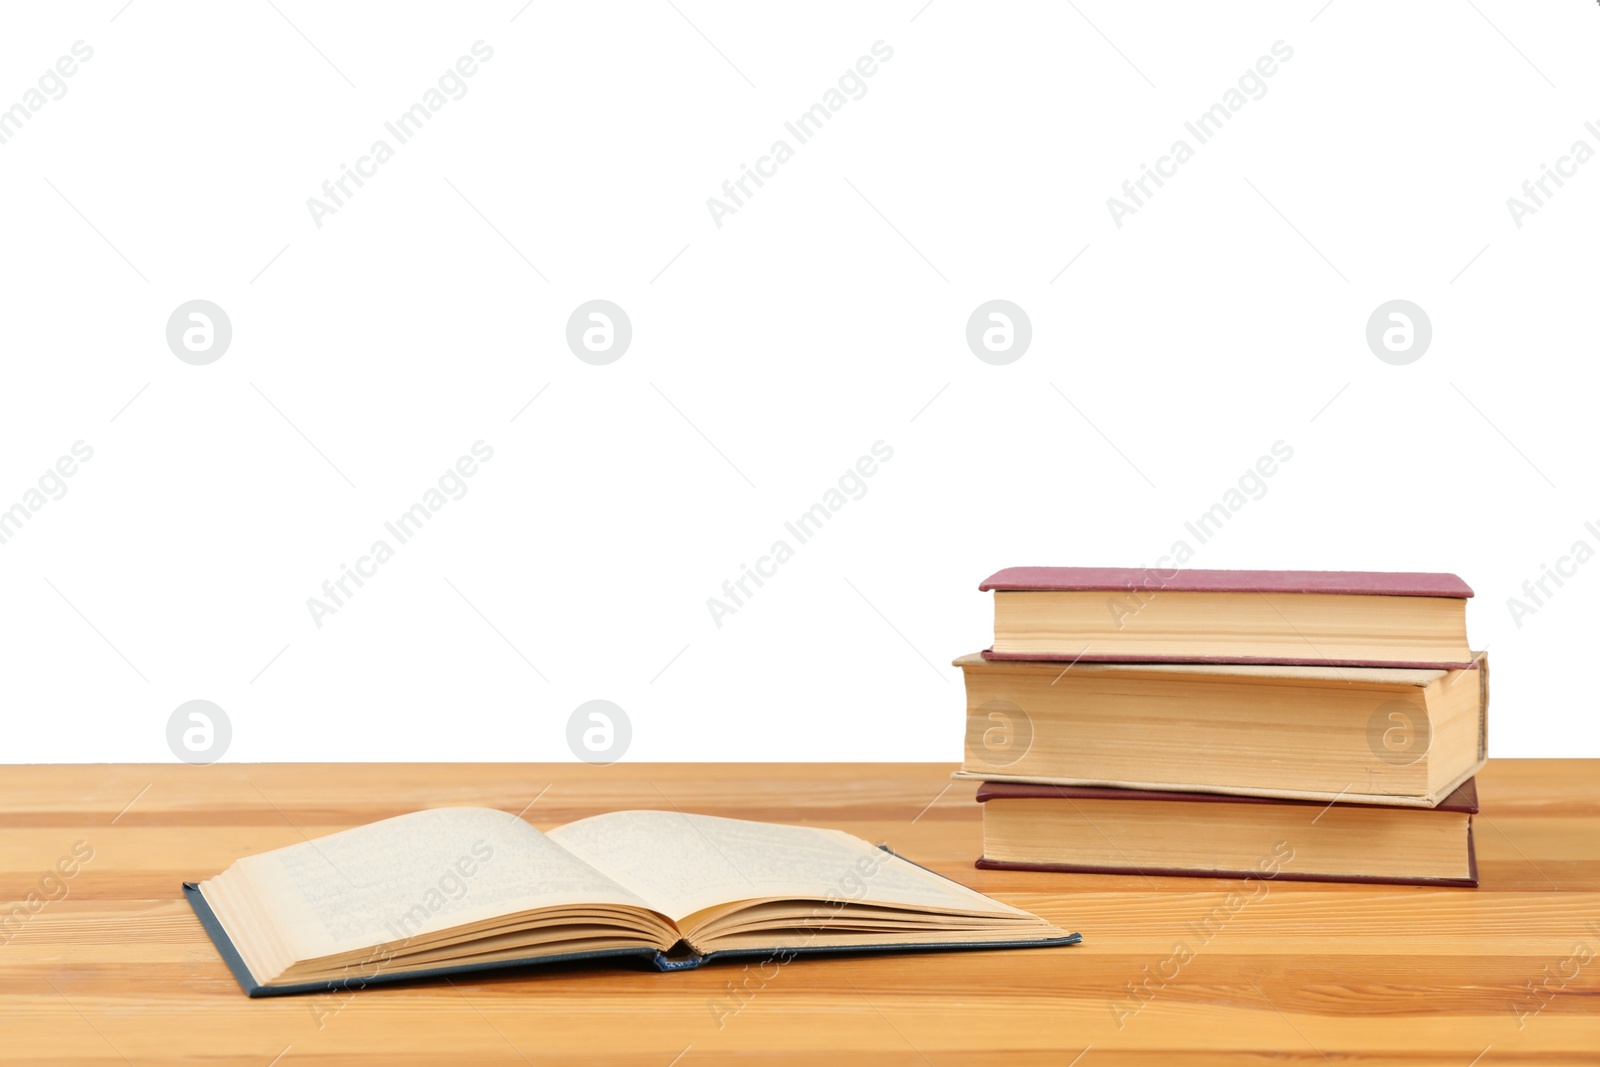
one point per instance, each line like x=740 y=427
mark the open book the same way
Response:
x=456 y=889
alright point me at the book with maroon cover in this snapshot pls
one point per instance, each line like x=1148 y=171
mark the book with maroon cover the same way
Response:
x=1149 y=615
x=1128 y=831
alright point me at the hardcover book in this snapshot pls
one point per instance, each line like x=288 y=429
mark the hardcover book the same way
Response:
x=1125 y=831
x=462 y=889
x=1359 y=734
x=1346 y=618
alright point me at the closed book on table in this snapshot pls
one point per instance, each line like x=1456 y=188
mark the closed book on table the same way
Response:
x=1128 y=615
x=1357 y=734
x=1124 y=831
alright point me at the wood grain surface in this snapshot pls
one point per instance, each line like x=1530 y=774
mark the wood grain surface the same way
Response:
x=1172 y=970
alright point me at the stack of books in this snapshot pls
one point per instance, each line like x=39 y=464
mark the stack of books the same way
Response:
x=1312 y=725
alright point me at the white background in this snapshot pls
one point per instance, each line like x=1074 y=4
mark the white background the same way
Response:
x=768 y=354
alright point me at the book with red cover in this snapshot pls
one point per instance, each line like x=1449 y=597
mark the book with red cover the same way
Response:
x=1142 y=615
x=1090 y=830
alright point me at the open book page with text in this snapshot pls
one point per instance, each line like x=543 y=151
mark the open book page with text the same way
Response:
x=415 y=874
x=454 y=888
x=685 y=864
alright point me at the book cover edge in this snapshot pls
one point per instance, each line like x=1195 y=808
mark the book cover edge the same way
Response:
x=1242 y=661
x=253 y=988
x=1036 y=579
x=1466 y=790
x=1471 y=882
x=1426 y=800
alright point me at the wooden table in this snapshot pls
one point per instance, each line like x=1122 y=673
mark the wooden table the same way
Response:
x=118 y=971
